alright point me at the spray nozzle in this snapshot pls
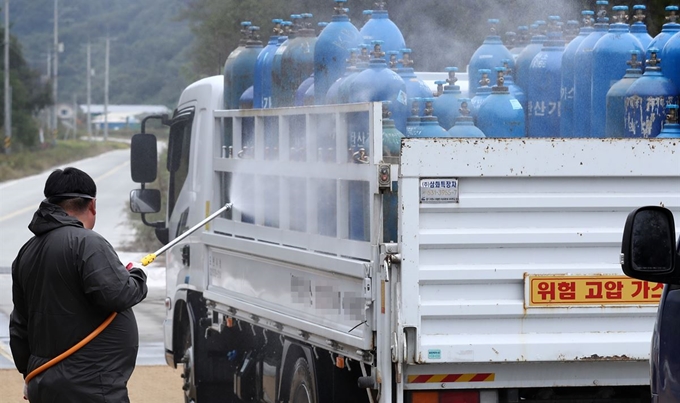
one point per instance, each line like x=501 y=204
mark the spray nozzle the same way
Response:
x=377 y=49
x=451 y=80
x=672 y=113
x=464 y=102
x=621 y=14
x=672 y=14
x=653 y=60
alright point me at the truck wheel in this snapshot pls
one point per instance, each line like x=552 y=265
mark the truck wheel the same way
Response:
x=189 y=385
x=302 y=385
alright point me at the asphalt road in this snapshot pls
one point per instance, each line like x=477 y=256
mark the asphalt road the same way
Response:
x=19 y=200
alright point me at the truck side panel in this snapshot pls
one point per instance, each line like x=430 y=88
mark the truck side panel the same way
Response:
x=524 y=266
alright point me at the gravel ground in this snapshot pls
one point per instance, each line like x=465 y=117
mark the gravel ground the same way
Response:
x=148 y=384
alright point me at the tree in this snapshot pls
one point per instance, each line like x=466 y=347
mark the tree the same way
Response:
x=29 y=96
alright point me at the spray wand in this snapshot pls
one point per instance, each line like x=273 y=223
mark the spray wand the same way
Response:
x=145 y=262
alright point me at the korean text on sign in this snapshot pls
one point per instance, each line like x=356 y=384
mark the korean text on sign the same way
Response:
x=591 y=290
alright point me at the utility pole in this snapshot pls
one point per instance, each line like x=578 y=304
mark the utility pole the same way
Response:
x=106 y=91
x=8 y=89
x=75 y=116
x=89 y=88
x=55 y=66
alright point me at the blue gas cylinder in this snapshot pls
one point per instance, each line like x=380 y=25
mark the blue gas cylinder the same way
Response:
x=379 y=83
x=616 y=97
x=523 y=63
x=231 y=93
x=667 y=31
x=501 y=115
x=262 y=85
x=246 y=99
x=610 y=55
x=415 y=87
x=429 y=124
x=344 y=91
x=464 y=126
x=333 y=94
x=639 y=28
x=483 y=91
x=293 y=61
x=515 y=90
x=381 y=27
x=583 y=77
x=413 y=121
x=671 y=57
x=489 y=55
x=544 y=89
x=521 y=41
x=302 y=89
x=332 y=50
x=568 y=70
x=671 y=129
x=646 y=101
x=447 y=105
x=391 y=139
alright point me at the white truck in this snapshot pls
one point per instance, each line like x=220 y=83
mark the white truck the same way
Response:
x=502 y=283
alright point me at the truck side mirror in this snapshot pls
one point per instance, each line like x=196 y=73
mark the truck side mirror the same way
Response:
x=145 y=201
x=143 y=158
x=648 y=250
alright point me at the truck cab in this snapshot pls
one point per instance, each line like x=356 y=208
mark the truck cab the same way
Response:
x=649 y=252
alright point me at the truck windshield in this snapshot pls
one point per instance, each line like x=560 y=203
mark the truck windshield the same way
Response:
x=179 y=144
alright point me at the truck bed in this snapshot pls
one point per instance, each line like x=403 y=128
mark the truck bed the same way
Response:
x=508 y=265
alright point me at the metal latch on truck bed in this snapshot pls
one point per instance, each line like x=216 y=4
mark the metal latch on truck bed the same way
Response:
x=384 y=178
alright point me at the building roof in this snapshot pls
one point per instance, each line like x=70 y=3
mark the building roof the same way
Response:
x=96 y=109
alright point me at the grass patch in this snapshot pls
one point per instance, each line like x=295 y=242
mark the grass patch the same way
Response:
x=25 y=163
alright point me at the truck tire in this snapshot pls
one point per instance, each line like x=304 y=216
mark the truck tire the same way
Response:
x=302 y=384
x=188 y=368
x=199 y=368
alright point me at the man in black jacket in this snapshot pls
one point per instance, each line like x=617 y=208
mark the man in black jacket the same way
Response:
x=66 y=281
